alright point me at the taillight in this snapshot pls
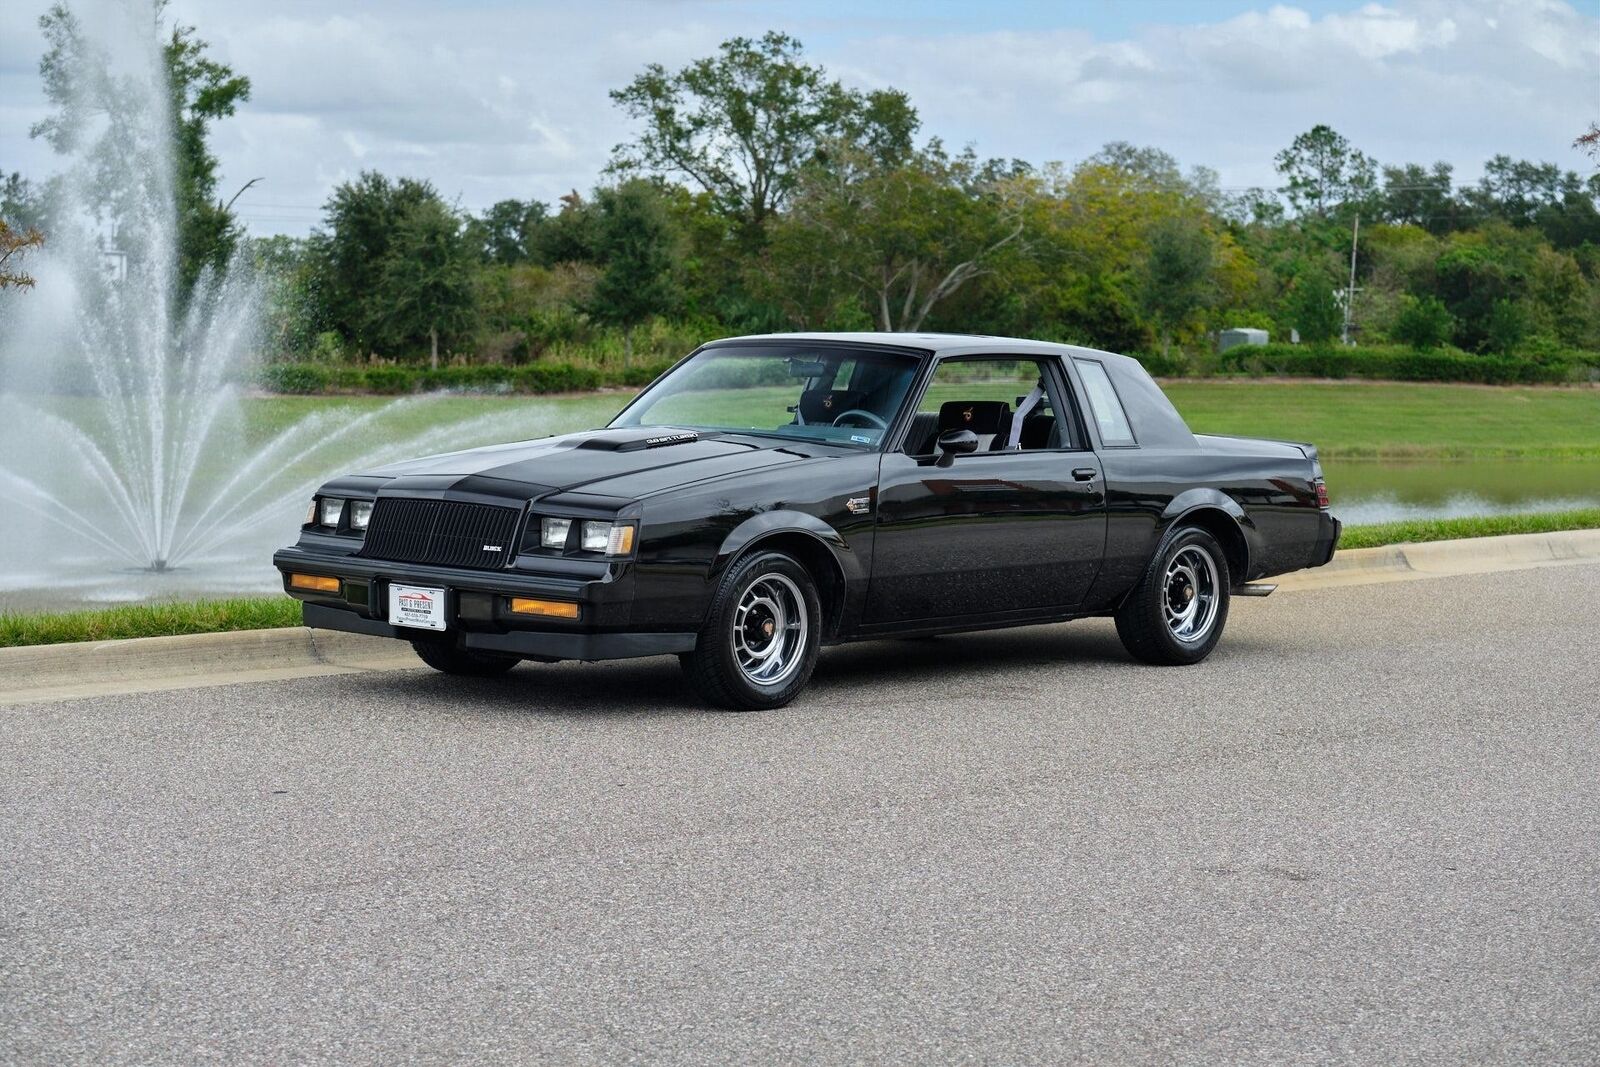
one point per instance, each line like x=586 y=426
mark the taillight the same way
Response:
x=1322 y=493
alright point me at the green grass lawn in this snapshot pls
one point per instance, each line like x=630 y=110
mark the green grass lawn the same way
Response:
x=150 y=620
x=1415 y=530
x=1344 y=420
x=1388 y=419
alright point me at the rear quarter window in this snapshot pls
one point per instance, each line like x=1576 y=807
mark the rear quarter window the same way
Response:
x=1104 y=405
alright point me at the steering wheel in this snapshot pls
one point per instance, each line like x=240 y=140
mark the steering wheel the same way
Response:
x=866 y=416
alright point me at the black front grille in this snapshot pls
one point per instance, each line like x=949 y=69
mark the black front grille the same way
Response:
x=447 y=533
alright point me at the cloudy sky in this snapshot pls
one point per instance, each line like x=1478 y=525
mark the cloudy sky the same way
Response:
x=494 y=98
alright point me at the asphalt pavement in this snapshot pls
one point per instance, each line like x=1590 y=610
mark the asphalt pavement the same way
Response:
x=1367 y=830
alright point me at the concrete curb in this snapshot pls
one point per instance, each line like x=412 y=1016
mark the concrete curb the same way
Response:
x=1439 y=559
x=91 y=668
x=98 y=668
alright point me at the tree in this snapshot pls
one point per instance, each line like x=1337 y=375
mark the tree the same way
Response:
x=13 y=245
x=349 y=252
x=1422 y=323
x=1506 y=329
x=634 y=240
x=1178 y=275
x=568 y=236
x=1479 y=276
x=20 y=205
x=1416 y=196
x=1588 y=142
x=742 y=124
x=508 y=232
x=1325 y=173
x=426 y=279
x=83 y=88
x=908 y=236
x=1313 y=309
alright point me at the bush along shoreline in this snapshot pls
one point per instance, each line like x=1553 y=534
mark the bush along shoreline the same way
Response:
x=547 y=376
x=544 y=377
x=1402 y=364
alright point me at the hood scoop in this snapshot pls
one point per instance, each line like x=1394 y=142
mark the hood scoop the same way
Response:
x=638 y=439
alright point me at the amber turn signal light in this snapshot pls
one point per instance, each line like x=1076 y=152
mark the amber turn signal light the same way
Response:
x=314 y=582
x=559 y=609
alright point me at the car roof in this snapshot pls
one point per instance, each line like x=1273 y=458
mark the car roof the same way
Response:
x=944 y=344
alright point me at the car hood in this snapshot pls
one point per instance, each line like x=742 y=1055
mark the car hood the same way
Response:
x=628 y=462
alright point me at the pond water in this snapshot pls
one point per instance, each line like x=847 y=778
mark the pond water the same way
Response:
x=1372 y=490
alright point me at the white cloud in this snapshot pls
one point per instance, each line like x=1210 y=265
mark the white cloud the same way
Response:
x=1415 y=80
x=492 y=100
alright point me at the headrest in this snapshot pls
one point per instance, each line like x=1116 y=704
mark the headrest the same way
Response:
x=819 y=406
x=979 y=416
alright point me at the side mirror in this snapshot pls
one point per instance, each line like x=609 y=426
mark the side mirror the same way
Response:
x=953 y=443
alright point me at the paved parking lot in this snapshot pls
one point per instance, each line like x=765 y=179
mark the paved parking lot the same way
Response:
x=1367 y=830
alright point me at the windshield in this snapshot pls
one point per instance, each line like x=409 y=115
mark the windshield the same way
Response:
x=845 y=395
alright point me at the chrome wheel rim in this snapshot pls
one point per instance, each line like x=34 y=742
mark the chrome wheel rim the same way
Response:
x=1190 y=594
x=769 y=630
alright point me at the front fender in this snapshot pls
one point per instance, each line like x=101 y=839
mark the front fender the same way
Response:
x=770 y=523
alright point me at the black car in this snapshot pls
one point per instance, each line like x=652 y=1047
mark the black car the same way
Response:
x=769 y=495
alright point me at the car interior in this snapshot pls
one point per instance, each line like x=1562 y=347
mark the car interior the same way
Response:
x=1027 y=422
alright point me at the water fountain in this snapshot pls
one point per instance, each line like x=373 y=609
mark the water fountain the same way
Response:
x=128 y=467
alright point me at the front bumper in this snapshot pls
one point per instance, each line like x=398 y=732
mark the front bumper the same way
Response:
x=477 y=610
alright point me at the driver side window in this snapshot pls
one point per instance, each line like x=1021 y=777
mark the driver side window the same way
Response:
x=1009 y=403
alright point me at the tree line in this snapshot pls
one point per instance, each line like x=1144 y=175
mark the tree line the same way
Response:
x=758 y=194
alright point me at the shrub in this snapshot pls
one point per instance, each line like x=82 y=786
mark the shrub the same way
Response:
x=389 y=379
x=1399 y=364
x=1172 y=365
x=293 y=378
x=484 y=378
x=556 y=377
x=1423 y=324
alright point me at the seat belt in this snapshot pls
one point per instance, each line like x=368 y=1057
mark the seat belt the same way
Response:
x=1029 y=402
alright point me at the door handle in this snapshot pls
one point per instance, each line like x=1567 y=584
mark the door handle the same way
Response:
x=1085 y=474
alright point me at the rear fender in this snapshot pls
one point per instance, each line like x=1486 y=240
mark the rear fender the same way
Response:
x=1222 y=515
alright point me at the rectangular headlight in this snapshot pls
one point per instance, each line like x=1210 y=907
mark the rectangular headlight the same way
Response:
x=360 y=514
x=332 y=508
x=553 y=532
x=596 y=536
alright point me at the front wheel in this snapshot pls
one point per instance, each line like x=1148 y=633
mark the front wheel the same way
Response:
x=1176 y=613
x=760 y=639
x=453 y=660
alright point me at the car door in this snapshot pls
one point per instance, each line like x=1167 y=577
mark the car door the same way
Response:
x=1017 y=527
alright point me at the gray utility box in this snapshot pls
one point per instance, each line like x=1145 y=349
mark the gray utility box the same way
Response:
x=1230 y=338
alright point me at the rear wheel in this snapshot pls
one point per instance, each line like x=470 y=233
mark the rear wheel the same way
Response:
x=759 y=642
x=1176 y=613
x=452 y=660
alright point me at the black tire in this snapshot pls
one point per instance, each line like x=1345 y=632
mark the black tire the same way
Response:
x=453 y=660
x=1177 y=579
x=714 y=667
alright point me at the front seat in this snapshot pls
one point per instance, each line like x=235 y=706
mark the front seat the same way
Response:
x=989 y=419
x=819 y=407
